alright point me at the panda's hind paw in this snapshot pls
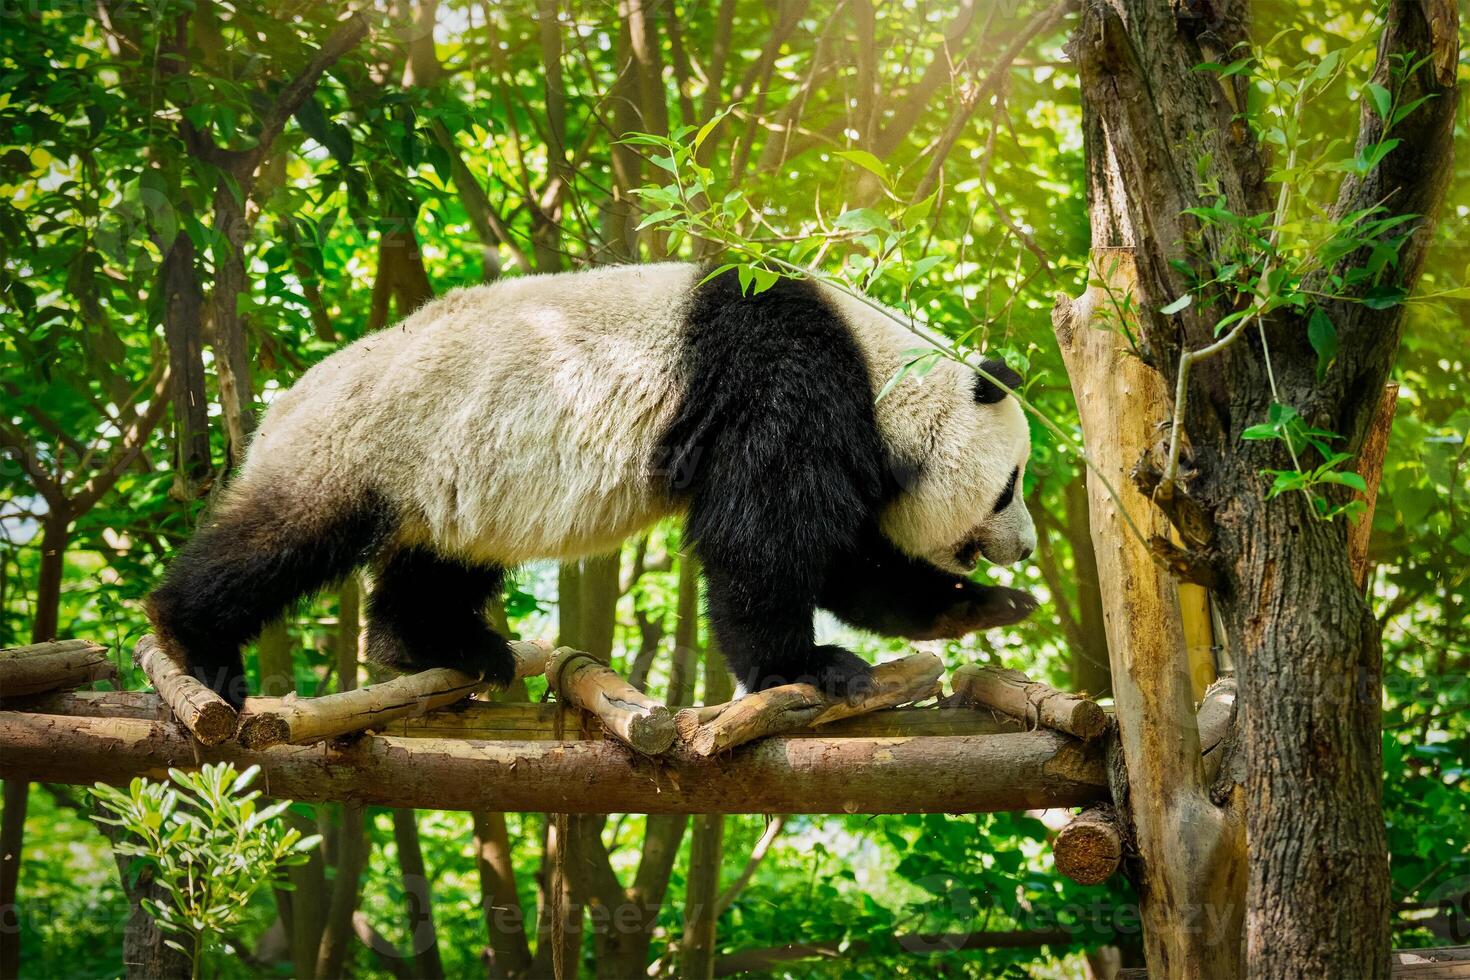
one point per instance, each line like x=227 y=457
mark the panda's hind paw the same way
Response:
x=471 y=647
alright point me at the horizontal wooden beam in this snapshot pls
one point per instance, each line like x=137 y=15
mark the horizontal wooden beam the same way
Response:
x=811 y=774
x=521 y=721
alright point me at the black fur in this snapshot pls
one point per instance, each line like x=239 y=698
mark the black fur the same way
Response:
x=428 y=611
x=246 y=566
x=879 y=588
x=987 y=392
x=785 y=475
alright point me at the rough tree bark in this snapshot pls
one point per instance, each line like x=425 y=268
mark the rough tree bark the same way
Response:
x=1308 y=647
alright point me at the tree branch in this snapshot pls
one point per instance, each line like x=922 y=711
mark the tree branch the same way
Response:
x=1040 y=22
x=757 y=855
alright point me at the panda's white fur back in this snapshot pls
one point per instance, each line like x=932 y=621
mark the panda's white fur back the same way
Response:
x=514 y=420
x=521 y=420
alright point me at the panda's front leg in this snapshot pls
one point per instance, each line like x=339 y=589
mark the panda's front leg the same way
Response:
x=878 y=588
x=764 y=628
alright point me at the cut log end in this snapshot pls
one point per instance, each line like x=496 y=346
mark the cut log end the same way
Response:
x=625 y=712
x=207 y=715
x=259 y=731
x=214 y=722
x=1089 y=849
x=653 y=733
x=1089 y=720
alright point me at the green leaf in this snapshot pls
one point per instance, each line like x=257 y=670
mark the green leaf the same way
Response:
x=1373 y=154
x=1323 y=337
x=1403 y=111
x=1178 y=304
x=657 y=217
x=1264 y=430
x=1382 y=99
x=1383 y=297
x=862 y=219
x=867 y=161
x=1345 y=478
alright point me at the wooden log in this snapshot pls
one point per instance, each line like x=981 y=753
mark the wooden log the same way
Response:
x=200 y=709
x=625 y=712
x=523 y=721
x=1090 y=848
x=812 y=774
x=301 y=721
x=717 y=728
x=1013 y=693
x=1192 y=852
x=51 y=666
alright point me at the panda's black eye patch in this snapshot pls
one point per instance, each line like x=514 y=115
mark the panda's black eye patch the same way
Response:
x=987 y=392
x=1009 y=493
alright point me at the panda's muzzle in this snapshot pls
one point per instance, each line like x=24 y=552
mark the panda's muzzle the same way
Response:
x=967 y=555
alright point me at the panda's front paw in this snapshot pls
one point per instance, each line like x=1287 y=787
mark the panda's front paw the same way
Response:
x=837 y=673
x=982 y=607
x=843 y=675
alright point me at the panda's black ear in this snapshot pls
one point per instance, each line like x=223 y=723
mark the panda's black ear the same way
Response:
x=987 y=392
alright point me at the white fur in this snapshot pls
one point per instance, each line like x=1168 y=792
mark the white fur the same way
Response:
x=969 y=450
x=518 y=421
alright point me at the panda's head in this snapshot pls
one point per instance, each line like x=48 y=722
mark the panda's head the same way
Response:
x=963 y=501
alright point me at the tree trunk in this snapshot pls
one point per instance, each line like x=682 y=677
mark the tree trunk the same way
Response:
x=508 y=954
x=55 y=533
x=1089 y=667
x=12 y=839
x=706 y=851
x=353 y=845
x=145 y=955
x=1307 y=646
x=183 y=333
x=231 y=348
x=418 y=894
x=1191 y=853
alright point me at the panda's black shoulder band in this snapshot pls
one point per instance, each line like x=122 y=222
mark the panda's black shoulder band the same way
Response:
x=987 y=392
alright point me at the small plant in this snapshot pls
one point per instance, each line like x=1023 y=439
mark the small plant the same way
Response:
x=1297 y=256
x=210 y=848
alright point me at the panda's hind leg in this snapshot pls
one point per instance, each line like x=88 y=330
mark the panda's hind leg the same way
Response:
x=426 y=610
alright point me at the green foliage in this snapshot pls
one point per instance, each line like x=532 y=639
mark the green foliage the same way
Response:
x=96 y=180
x=206 y=844
x=1302 y=254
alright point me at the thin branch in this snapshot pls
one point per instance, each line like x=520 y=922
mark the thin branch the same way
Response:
x=757 y=854
x=127 y=450
x=1039 y=23
x=49 y=488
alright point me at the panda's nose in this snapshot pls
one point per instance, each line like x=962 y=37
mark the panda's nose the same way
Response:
x=1025 y=554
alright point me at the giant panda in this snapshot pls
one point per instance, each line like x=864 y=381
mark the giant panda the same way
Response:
x=552 y=416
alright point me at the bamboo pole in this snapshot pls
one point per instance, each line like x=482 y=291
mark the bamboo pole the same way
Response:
x=717 y=728
x=811 y=774
x=625 y=712
x=49 y=666
x=301 y=721
x=1013 y=693
x=207 y=715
